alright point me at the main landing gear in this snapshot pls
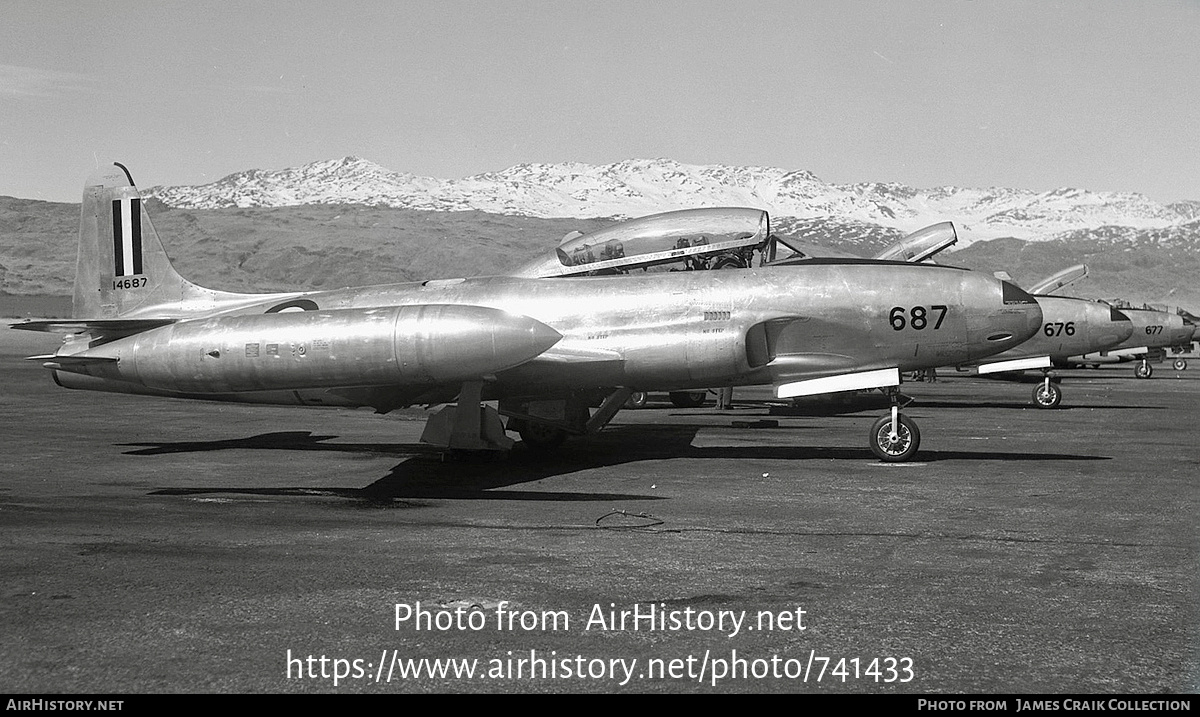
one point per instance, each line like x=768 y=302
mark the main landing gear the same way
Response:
x=895 y=438
x=1179 y=365
x=689 y=399
x=1143 y=370
x=1046 y=394
x=540 y=436
x=546 y=424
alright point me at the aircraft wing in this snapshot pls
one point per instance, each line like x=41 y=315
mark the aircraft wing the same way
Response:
x=68 y=363
x=96 y=326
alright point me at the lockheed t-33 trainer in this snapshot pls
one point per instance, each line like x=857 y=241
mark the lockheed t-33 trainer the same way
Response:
x=559 y=356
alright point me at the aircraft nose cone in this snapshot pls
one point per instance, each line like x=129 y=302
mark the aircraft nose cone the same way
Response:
x=1121 y=324
x=1106 y=327
x=1016 y=299
x=1184 y=333
x=1014 y=295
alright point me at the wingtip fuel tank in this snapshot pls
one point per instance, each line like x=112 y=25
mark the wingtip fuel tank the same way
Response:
x=414 y=345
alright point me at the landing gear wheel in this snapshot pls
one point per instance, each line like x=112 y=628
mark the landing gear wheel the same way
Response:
x=1143 y=370
x=689 y=399
x=900 y=448
x=541 y=437
x=637 y=399
x=1047 y=395
x=1180 y=365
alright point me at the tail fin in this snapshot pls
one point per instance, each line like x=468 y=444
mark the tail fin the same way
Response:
x=122 y=270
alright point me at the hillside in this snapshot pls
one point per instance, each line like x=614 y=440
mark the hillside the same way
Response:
x=275 y=249
x=638 y=187
x=329 y=246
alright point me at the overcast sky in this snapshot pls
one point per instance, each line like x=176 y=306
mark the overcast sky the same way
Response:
x=1101 y=95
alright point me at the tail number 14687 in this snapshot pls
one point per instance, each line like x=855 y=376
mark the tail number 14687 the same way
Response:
x=130 y=282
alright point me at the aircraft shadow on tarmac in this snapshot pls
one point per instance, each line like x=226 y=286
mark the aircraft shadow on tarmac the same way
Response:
x=426 y=474
x=281 y=440
x=1024 y=405
x=848 y=407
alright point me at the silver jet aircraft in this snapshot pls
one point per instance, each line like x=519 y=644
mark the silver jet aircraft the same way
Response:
x=1154 y=332
x=547 y=350
x=1069 y=326
x=701 y=239
x=1183 y=345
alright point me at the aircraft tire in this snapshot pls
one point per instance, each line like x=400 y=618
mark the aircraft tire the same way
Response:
x=541 y=437
x=906 y=445
x=637 y=399
x=1047 y=396
x=1180 y=365
x=689 y=399
x=1143 y=370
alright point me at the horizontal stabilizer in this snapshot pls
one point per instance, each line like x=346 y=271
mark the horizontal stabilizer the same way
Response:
x=72 y=364
x=845 y=382
x=72 y=359
x=100 y=326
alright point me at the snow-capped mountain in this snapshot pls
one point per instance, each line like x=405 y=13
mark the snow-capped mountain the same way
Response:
x=639 y=187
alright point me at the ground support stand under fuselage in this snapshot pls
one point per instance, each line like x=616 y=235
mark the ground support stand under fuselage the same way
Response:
x=469 y=425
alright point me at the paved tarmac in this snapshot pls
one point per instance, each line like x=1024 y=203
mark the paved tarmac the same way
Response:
x=151 y=545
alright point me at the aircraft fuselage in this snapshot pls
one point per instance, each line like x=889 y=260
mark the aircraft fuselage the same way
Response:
x=1153 y=331
x=1070 y=327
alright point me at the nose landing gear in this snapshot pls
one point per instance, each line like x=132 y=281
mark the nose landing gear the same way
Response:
x=1046 y=394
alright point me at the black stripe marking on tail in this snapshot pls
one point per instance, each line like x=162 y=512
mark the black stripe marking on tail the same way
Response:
x=118 y=252
x=135 y=211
